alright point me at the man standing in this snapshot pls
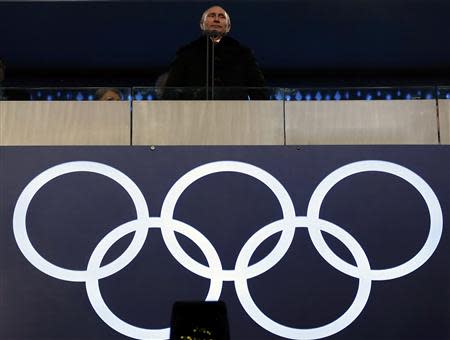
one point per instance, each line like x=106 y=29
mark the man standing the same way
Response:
x=215 y=59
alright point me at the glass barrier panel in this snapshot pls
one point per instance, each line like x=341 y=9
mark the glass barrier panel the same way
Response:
x=444 y=92
x=360 y=93
x=66 y=94
x=201 y=93
x=223 y=93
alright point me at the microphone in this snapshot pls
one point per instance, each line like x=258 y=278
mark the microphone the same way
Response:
x=212 y=33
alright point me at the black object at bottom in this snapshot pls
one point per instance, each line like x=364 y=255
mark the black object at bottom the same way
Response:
x=199 y=320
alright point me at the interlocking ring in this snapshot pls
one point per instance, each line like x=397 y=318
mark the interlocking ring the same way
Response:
x=242 y=271
x=432 y=202
x=93 y=289
x=24 y=200
x=295 y=333
x=183 y=183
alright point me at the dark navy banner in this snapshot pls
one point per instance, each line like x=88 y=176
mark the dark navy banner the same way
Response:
x=338 y=242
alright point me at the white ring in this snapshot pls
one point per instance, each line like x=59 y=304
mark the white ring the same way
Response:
x=274 y=327
x=242 y=271
x=92 y=283
x=21 y=208
x=432 y=202
x=190 y=177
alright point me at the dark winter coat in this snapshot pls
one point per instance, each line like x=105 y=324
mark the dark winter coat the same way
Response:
x=234 y=66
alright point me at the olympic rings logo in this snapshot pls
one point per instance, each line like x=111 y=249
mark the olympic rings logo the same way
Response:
x=242 y=271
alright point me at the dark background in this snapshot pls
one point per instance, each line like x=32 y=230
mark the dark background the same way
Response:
x=72 y=213
x=298 y=43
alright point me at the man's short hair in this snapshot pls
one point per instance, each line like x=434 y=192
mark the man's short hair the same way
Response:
x=101 y=92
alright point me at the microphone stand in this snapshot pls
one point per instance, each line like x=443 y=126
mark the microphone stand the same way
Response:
x=213 y=62
x=207 y=35
x=209 y=40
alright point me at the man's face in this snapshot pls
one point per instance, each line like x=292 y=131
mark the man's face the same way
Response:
x=215 y=19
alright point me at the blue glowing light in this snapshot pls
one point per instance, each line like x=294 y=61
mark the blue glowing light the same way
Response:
x=79 y=96
x=318 y=96
x=288 y=97
x=298 y=96
x=308 y=97
x=337 y=96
